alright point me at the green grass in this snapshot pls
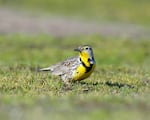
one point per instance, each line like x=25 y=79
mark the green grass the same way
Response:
x=127 y=11
x=118 y=89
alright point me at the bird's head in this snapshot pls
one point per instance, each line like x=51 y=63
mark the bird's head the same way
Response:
x=86 y=54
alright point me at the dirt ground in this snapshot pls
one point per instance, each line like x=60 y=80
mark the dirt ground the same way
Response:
x=13 y=21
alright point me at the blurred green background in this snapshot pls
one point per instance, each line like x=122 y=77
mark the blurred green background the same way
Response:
x=128 y=11
x=119 y=87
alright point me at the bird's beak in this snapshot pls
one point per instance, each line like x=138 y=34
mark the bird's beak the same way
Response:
x=77 y=49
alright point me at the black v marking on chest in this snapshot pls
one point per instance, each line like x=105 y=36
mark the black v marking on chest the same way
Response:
x=88 y=69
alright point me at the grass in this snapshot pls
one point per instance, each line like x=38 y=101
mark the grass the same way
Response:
x=129 y=11
x=118 y=89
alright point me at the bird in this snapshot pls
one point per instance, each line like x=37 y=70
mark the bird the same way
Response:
x=75 y=68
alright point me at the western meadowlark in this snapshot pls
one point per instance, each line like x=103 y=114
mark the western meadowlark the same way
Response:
x=75 y=68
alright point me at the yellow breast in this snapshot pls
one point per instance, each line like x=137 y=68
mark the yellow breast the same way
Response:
x=82 y=72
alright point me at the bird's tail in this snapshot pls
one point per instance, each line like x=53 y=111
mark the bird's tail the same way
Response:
x=45 y=69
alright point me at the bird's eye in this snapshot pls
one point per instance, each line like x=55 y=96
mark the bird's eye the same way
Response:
x=86 y=48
